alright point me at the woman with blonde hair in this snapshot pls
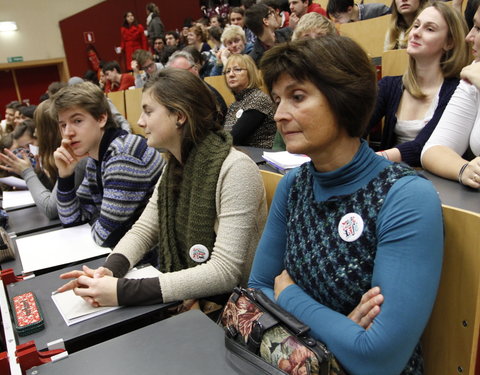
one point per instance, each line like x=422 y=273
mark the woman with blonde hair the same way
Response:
x=413 y=104
x=250 y=117
x=453 y=150
x=403 y=14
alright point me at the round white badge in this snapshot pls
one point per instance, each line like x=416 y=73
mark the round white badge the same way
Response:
x=199 y=253
x=350 y=227
x=239 y=113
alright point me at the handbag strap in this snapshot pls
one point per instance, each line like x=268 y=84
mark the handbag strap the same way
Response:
x=253 y=359
x=293 y=324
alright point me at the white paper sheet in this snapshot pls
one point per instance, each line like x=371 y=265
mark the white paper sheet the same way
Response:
x=75 y=310
x=284 y=159
x=14 y=181
x=58 y=247
x=14 y=199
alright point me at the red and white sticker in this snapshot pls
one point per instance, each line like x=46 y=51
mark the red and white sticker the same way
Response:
x=199 y=253
x=350 y=227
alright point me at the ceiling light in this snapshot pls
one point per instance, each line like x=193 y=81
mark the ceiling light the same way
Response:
x=8 y=26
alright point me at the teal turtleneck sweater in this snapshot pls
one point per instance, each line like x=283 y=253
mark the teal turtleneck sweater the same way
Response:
x=407 y=266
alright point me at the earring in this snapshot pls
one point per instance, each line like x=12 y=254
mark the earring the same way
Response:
x=178 y=124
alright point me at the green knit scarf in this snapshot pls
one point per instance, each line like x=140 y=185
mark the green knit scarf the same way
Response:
x=188 y=217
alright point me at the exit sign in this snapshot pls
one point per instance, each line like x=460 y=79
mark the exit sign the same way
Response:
x=14 y=59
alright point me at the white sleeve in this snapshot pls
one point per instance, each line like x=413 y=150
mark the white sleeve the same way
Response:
x=458 y=120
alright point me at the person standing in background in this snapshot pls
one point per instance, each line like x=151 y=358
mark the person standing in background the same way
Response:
x=155 y=28
x=132 y=38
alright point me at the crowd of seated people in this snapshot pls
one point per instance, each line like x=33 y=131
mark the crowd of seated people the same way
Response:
x=297 y=86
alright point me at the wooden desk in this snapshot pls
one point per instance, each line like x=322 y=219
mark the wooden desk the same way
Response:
x=189 y=343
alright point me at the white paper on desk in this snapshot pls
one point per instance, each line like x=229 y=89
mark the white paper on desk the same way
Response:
x=75 y=310
x=13 y=199
x=285 y=160
x=14 y=182
x=58 y=247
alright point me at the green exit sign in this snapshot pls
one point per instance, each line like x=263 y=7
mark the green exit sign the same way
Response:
x=15 y=59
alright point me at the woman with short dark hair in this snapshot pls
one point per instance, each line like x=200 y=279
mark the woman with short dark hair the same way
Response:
x=349 y=220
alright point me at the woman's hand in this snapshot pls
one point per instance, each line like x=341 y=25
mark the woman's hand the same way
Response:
x=86 y=271
x=65 y=159
x=98 y=291
x=471 y=174
x=281 y=282
x=12 y=163
x=368 y=308
x=471 y=74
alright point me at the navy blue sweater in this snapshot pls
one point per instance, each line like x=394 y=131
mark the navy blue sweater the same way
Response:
x=390 y=90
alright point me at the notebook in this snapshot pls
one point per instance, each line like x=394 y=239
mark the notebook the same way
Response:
x=74 y=309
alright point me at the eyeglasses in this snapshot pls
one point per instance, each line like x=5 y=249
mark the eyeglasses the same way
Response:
x=148 y=67
x=234 y=70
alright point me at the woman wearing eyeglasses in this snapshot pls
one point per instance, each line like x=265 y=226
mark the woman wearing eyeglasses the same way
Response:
x=250 y=117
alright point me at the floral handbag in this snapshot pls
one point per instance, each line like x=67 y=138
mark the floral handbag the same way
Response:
x=260 y=331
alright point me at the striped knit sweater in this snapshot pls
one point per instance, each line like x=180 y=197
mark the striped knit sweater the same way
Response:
x=115 y=188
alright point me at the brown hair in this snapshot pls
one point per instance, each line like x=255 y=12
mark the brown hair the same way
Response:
x=198 y=31
x=337 y=66
x=49 y=138
x=87 y=96
x=141 y=56
x=180 y=91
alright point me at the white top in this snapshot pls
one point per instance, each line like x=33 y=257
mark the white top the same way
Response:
x=407 y=130
x=459 y=126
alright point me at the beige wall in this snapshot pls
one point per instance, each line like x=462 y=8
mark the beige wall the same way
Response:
x=38 y=36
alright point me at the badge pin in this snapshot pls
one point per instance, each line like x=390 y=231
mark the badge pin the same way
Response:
x=239 y=113
x=350 y=227
x=199 y=253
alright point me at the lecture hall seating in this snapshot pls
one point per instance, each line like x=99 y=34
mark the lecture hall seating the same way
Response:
x=369 y=34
